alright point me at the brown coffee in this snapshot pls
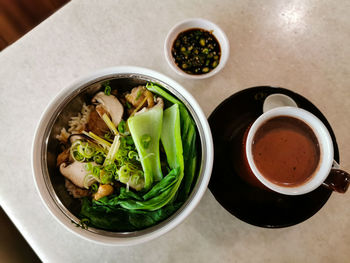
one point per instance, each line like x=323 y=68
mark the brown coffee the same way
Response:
x=286 y=151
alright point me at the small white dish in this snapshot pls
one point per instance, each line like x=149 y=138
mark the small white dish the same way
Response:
x=203 y=24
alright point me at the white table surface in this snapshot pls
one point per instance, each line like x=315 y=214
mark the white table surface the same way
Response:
x=301 y=45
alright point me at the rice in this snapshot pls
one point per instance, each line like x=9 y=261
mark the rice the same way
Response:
x=76 y=124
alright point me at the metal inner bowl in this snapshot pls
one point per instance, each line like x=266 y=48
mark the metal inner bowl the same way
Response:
x=70 y=106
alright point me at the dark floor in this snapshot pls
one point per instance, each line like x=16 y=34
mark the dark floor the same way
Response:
x=17 y=17
x=13 y=247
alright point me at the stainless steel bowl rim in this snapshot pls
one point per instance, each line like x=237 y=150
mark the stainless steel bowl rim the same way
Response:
x=43 y=183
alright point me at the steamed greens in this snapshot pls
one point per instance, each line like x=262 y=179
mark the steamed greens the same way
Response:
x=188 y=135
x=145 y=129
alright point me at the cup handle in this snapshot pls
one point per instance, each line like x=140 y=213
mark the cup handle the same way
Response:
x=337 y=180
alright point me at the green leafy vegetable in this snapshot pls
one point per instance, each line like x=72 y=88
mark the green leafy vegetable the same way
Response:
x=156 y=201
x=160 y=187
x=163 y=192
x=146 y=127
x=119 y=219
x=171 y=137
x=188 y=135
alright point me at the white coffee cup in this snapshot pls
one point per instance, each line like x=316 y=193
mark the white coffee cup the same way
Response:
x=326 y=161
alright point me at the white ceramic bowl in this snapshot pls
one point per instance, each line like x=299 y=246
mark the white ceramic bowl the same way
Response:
x=203 y=24
x=45 y=148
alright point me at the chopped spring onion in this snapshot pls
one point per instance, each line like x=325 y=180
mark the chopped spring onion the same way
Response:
x=105 y=177
x=96 y=172
x=122 y=128
x=133 y=155
x=88 y=180
x=128 y=105
x=123 y=174
x=88 y=167
x=98 y=158
x=85 y=150
x=94 y=187
x=77 y=156
x=145 y=140
x=108 y=90
x=129 y=174
x=138 y=95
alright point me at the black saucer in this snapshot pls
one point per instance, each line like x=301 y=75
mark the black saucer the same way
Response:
x=253 y=205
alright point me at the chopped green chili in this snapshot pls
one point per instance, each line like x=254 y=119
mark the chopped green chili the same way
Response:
x=196 y=51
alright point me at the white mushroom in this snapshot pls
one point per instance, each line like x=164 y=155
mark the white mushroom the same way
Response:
x=159 y=104
x=109 y=104
x=77 y=174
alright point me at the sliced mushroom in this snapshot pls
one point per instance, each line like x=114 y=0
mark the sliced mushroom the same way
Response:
x=140 y=95
x=76 y=173
x=109 y=104
x=160 y=103
x=96 y=124
x=103 y=190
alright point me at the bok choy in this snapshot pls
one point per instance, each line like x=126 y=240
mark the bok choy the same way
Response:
x=188 y=135
x=145 y=129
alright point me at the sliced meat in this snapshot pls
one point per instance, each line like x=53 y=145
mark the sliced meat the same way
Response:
x=96 y=124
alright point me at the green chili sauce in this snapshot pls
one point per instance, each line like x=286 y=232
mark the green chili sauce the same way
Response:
x=196 y=51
